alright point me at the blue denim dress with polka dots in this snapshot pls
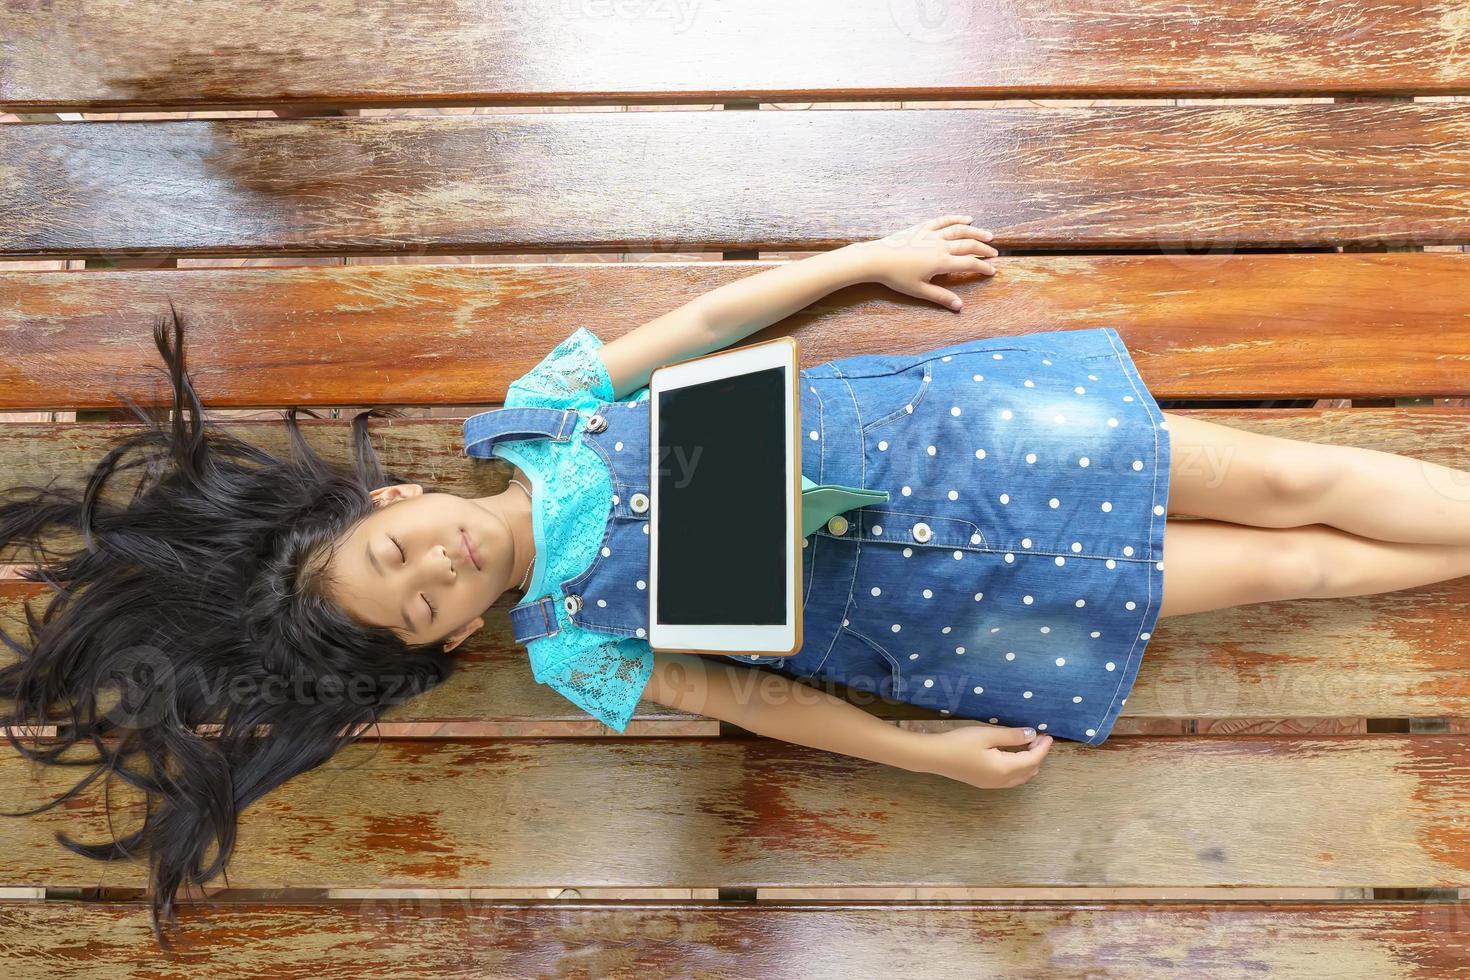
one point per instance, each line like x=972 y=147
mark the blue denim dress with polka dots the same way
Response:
x=1014 y=574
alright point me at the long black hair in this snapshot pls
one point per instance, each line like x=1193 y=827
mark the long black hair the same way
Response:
x=199 y=601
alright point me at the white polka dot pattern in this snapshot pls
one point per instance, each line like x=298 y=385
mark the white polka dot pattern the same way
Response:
x=1037 y=483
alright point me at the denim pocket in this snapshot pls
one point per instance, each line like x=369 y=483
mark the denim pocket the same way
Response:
x=887 y=398
x=868 y=666
x=887 y=388
x=611 y=594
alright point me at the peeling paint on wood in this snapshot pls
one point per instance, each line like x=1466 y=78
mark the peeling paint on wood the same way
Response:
x=744 y=813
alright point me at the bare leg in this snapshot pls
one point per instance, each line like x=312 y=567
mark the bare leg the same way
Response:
x=1211 y=564
x=1230 y=474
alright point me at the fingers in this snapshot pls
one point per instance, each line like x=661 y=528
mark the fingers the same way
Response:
x=1010 y=736
x=946 y=220
x=1022 y=765
x=973 y=239
x=970 y=263
x=940 y=295
x=962 y=227
x=965 y=243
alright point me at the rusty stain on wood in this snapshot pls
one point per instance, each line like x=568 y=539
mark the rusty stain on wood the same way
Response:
x=752 y=813
x=639 y=938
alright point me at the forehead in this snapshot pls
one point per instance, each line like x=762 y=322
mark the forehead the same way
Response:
x=356 y=585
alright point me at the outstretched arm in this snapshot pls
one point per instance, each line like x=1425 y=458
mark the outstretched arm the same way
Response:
x=769 y=704
x=904 y=261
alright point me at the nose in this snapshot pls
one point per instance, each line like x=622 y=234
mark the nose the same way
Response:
x=449 y=562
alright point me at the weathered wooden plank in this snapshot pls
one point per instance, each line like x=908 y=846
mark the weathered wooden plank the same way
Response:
x=1106 y=177
x=434 y=936
x=1398 y=655
x=1402 y=654
x=1344 y=811
x=508 y=52
x=1199 y=326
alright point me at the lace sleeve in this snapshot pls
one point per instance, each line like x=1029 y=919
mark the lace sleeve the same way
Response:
x=571 y=374
x=605 y=681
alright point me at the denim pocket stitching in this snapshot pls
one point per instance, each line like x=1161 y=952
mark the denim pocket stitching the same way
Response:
x=846 y=608
x=872 y=513
x=822 y=431
x=892 y=661
x=1134 y=652
x=927 y=357
x=904 y=410
x=809 y=561
x=574 y=585
x=606 y=459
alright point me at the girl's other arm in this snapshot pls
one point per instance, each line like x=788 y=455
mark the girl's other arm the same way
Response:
x=904 y=261
x=769 y=704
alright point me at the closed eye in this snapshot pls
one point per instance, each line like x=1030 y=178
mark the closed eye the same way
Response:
x=403 y=556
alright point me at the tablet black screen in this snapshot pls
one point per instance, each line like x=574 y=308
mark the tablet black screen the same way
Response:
x=722 y=489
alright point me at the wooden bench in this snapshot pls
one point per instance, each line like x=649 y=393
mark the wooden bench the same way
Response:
x=1289 y=790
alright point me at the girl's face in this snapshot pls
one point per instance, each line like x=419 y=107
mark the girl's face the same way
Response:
x=411 y=565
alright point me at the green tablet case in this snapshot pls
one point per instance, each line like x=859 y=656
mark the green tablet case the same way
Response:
x=821 y=501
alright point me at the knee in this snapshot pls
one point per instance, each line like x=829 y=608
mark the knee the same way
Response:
x=1299 y=474
x=1300 y=565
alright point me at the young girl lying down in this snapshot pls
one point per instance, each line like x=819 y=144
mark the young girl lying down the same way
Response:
x=1013 y=575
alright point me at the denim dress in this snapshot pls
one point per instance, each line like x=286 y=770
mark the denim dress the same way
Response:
x=1013 y=575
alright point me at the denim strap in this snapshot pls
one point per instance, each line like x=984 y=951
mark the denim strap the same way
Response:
x=533 y=619
x=484 y=430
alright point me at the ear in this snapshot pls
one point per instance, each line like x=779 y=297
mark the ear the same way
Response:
x=398 y=491
x=458 y=636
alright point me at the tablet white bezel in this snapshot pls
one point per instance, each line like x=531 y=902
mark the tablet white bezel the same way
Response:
x=781 y=639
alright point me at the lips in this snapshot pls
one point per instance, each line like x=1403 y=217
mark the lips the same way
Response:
x=471 y=550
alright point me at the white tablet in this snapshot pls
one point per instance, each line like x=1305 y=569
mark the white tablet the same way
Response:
x=725 y=502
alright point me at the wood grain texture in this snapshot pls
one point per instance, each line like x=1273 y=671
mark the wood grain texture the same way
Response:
x=1400 y=654
x=1226 y=325
x=1342 y=811
x=1143 y=177
x=510 y=52
x=443 y=937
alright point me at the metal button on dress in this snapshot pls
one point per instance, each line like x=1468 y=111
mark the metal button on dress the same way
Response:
x=639 y=502
x=596 y=423
x=837 y=524
x=572 y=603
x=922 y=532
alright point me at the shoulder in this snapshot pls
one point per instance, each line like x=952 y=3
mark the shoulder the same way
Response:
x=571 y=374
x=603 y=675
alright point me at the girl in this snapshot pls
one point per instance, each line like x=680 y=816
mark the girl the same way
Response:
x=1013 y=575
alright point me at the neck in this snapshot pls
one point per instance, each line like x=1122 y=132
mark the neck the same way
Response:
x=522 y=529
x=513 y=507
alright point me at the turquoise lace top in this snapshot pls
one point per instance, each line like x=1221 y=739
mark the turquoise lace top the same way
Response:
x=571 y=496
x=570 y=499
